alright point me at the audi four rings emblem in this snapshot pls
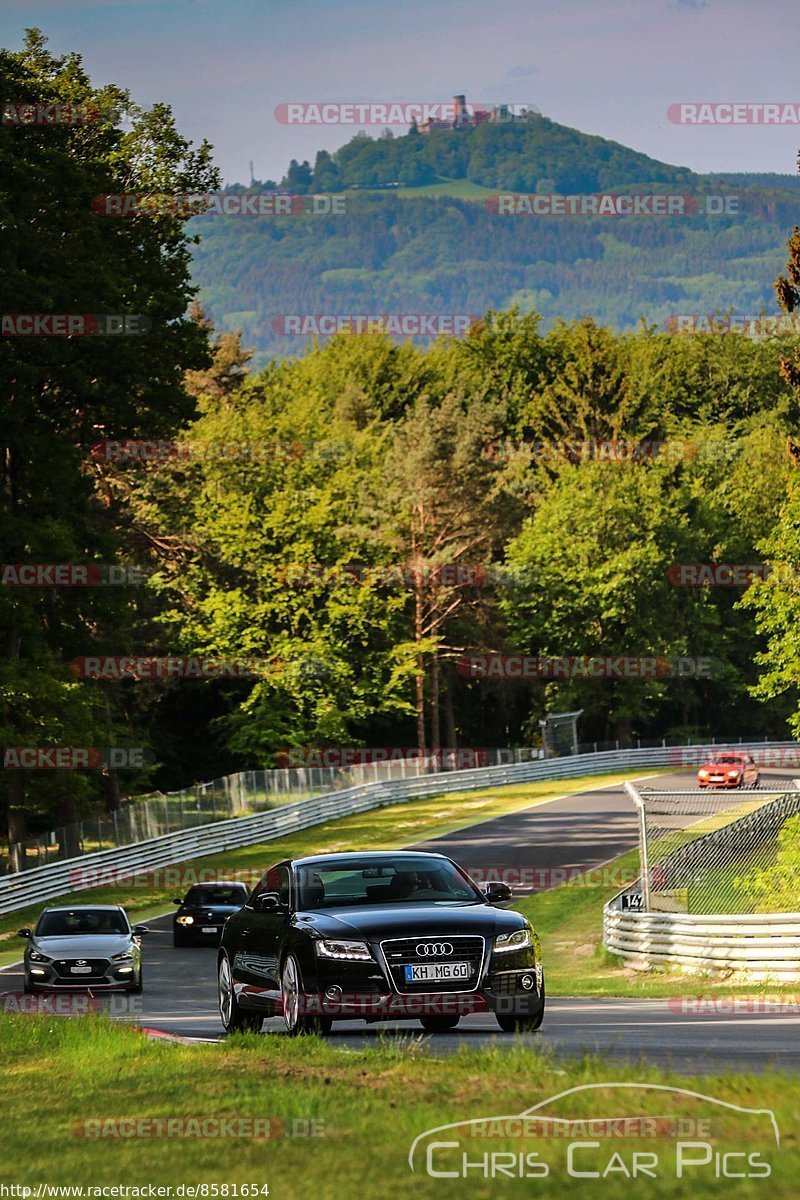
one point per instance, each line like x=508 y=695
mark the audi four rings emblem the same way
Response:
x=426 y=949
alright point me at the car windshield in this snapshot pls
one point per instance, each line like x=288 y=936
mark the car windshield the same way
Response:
x=78 y=921
x=233 y=894
x=359 y=882
x=730 y=760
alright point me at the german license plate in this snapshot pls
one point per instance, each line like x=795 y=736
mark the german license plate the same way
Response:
x=209 y=929
x=433 y=972
x=80 y=970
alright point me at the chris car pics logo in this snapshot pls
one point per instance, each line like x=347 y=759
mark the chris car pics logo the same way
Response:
x=606 y=1131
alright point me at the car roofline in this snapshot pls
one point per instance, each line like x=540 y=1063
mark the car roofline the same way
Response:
x=347 y=855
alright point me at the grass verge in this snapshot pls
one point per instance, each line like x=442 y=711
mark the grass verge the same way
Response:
x=367 y=1107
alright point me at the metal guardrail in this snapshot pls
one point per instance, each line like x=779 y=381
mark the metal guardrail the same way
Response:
x=73 y=875
x=764 y=947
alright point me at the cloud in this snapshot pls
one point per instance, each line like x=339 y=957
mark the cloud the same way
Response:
x=691 y=4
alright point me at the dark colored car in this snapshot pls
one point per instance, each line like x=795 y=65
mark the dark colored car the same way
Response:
x=377 y=936
x=84 y=947
x=728 y=769
x=204 y=910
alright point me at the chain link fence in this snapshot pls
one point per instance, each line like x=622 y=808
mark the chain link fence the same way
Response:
x=242 y=794
x=712 y=851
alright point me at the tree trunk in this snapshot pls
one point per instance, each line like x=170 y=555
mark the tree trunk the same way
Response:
x=449 y=714
x=420 y=677
x=436 y=737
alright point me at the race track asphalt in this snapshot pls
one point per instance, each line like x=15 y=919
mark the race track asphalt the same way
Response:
x=580 y=831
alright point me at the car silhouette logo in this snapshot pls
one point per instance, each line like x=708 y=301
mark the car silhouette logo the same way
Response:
x=429 y=949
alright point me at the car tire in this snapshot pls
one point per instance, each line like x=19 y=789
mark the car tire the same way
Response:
x=179 y=939
x=298 y=1024
x=439 y=1024
x=529 y=1023
x=136 y=990
x=28 y=988
x=234 y=1018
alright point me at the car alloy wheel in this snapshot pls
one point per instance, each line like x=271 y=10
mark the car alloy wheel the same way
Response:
x=234 y=1018
x=291 y=993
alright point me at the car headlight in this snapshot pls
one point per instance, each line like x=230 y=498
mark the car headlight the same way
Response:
x=702 y=773
x=733 y=774
x=37 y=956
x=126 y=956
x=186 y=920
x=517 y=940
x=355 y=951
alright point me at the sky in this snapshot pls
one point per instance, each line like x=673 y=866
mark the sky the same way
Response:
x=610 y=68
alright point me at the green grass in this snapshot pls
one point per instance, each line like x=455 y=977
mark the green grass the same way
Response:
x=369 y=1107
x=459 y=189
x=391 y=827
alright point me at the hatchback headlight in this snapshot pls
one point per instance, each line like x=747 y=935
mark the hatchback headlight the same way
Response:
x=37 y=956
x=517 y=940
x=733 y=774
x=186 y=920
x=126 y=956
x=355 y=951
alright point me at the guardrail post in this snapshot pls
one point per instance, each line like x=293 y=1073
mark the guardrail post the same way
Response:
x=644 y=864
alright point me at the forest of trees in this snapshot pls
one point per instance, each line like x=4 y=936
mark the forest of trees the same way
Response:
x=324 y=549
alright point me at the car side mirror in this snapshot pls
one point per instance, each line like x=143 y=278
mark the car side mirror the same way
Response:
x=177 y=902
x=141 y=930
x=24 y=933
x=496 y=893
x=268 y=902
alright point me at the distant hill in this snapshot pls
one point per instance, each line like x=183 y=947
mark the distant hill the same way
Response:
x=434 y=245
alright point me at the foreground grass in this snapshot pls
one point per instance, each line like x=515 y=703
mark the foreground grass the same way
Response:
x=391 y=827
x=368 y=1107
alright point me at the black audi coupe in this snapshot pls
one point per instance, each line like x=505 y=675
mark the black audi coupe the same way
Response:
x=377 y=936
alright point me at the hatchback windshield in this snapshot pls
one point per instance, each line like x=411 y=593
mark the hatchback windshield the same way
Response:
x=359 y=882
x=73 y=923
x=730 y=760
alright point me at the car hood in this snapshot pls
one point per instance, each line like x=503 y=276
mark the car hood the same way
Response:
x=375 y=922
x=86 y=945
x=717 y=767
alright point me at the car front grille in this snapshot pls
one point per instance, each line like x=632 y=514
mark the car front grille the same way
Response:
x=403 y=952
x=99 y=966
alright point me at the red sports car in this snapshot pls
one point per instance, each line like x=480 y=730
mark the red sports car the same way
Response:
x=728 y=769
